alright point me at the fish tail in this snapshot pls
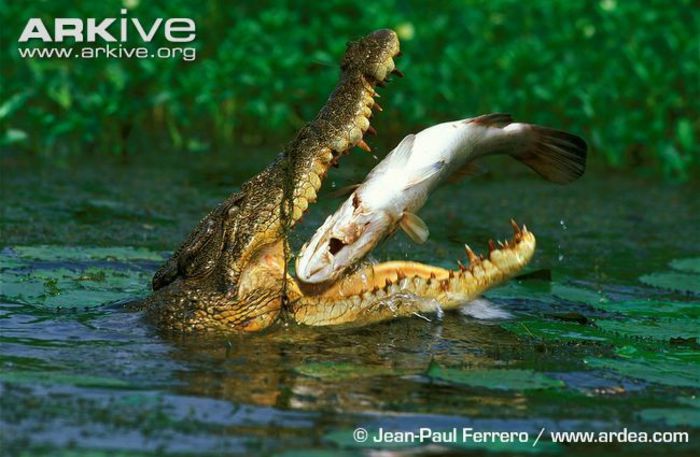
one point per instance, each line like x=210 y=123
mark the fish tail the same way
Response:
x=555 y=155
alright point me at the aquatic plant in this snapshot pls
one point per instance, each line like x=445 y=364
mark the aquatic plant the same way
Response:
x=621 y=74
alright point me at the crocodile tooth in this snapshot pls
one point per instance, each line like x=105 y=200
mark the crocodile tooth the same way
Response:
x=377 y=106
x=364 y=146
x=371 y=130
x=472 y=257
x=492 y=246
x=516 y=229
x=397 y=72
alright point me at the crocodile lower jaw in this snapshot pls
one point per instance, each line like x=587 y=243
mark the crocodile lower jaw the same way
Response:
x=402 y=288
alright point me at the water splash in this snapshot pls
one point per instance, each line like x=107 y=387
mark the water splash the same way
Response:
x=422 y=305
x=481 y=308
x=560 y=254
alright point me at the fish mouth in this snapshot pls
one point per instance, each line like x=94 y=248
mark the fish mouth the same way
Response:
x=343 y=240
x=332 y=257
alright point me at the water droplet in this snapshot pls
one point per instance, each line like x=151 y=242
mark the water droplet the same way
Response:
x=559 y=249
x=438 y=310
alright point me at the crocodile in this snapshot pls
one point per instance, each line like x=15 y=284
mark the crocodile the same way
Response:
x=231 y=273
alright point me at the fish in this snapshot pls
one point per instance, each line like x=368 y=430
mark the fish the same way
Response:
x=393 y=192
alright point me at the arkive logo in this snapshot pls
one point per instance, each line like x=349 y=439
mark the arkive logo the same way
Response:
x=175 y=30
x=98 y=35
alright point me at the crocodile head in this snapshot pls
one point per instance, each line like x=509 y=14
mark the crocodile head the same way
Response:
x=230 y=273
x=231 y=270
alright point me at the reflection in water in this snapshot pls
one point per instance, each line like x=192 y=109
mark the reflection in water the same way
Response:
x=380 y=368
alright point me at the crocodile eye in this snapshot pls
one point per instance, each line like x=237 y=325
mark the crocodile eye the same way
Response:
x=234 y=205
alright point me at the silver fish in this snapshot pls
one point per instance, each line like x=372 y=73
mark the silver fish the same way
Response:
x=400 y=184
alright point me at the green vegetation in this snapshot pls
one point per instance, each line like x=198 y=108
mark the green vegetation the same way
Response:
x=73 y=277
x=622 y=74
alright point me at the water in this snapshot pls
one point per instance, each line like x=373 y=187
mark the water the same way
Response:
x=609 y=342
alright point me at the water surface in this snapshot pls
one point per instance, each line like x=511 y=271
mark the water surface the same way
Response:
x=609 y=342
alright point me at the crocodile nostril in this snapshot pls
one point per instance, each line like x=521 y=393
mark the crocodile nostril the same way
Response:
x=335 y=245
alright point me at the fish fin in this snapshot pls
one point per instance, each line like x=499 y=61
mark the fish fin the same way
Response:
x=425 y=173
x=492 y=120
x=343 y=191
x=557 y=156
x=402 y=152
x=471 y=168
x=414 y=227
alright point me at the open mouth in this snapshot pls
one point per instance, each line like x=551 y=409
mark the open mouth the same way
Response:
x=385 y=290
x=502 y=259
x=335 y=245
x=336 y=288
